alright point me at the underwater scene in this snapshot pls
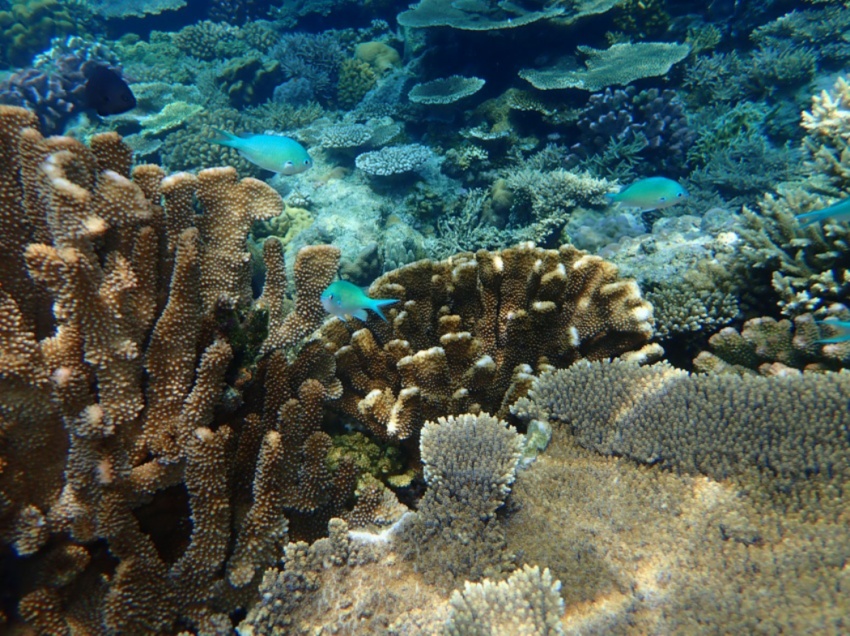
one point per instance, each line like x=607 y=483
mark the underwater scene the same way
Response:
x=418 y=318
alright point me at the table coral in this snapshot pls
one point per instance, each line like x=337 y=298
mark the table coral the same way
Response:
x=704 y=424
x=618 y=65
x=469 y=330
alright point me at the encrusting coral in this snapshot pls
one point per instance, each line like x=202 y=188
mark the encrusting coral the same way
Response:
x=468 y=331
x=116 y=407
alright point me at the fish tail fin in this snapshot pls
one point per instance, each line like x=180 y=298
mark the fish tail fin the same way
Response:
x=841 y=331
x=377 y=303
x=224 y=138
x=809 y=218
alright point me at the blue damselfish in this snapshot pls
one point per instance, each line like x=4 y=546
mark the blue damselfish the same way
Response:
x=270 y=152
x=342 y=299
x=653 y=193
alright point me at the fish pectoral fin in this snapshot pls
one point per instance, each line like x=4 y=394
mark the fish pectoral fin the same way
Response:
x=360 y=314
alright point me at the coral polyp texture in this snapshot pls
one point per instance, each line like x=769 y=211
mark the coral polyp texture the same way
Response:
x=468 y=331
x=117 y=418
x=704 y=424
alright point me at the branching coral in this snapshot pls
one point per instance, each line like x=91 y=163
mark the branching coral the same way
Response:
x=468 y=330
x=826 y=142
x=783 y=438
x=469 y=463
x=117 y=422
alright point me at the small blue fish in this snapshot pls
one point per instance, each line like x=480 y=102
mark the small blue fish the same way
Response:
x=342 y=299
x=837 y=212
x=653 y=193
x=842 y=327
x=270 y=152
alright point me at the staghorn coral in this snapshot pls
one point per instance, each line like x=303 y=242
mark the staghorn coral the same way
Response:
x=468 y=330
x=117 y=423
x=807 y=268
x=705 y=424
x=547 y=199
x=821 y=29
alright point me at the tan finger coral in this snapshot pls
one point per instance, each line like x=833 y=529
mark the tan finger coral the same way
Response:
x=468 y=331
x=134 y=495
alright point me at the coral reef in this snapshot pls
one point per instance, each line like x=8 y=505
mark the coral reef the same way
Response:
x=469 y=463
x=702 y=424
x=27 y=27
x=445 y=91
x=54 y=87
x=545 y=200
x=656 y=120
x=128 y=9
x=618 y=65
x=469 y=330
x=436 y=13
x=118 y=349
x=393 y=160
x=316 y=58
x=771 y=347
x=527 y=604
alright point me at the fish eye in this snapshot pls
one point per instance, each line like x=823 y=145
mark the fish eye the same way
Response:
x=306 y=162
x=680 y=195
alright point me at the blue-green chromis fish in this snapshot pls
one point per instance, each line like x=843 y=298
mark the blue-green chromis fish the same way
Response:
x=838 y=212
x=270 y=152
x=841 y=328
x=342 y=299
x=654 y=193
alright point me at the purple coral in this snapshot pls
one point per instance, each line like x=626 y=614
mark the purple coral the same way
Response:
x=43 y=93
x=624 y=116
x=54 y=88
x=311 y=57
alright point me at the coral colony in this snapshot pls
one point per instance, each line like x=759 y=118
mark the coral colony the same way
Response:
x=418 y=319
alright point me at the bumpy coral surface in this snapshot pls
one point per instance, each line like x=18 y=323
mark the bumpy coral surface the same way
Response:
x=467 y=332
x=116 y=421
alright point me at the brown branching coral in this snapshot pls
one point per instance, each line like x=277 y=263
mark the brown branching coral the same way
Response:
x=114 y=432
x=468 y=332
